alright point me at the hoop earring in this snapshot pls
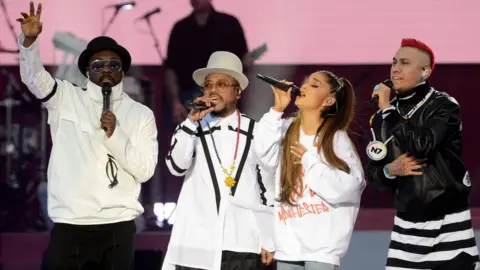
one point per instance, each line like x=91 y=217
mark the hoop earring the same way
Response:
x=421 y=79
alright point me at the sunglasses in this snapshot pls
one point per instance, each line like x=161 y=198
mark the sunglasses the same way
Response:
x=113 y=65
x=221 y=86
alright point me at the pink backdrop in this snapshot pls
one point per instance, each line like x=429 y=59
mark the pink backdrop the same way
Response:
x=296 y=31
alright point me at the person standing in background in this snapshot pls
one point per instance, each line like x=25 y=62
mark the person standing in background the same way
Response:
x=192 y=40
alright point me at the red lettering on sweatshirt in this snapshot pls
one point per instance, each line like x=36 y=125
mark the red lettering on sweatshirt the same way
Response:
x=301 y=210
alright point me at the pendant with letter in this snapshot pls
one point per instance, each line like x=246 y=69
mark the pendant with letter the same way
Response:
x=376 y=150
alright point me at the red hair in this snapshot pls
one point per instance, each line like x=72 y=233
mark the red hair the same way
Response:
x=414 y=43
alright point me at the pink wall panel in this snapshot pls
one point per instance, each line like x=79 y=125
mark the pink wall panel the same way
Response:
x=297 y=31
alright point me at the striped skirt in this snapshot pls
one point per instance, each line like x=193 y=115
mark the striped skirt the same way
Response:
x=448 y=242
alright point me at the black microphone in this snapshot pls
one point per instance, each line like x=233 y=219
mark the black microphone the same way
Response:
x=199 y=105
x=280 y=85
x=147 y=15
x=106 y=91
x=374 y=101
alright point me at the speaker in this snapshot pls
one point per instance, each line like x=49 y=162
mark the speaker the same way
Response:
x=148 y=259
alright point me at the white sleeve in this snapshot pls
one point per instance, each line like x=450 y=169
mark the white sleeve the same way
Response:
x=265 y=223
x=139 y=159
x=36 y=78
x=331 y=184
x=182 y=148
x=268 y=139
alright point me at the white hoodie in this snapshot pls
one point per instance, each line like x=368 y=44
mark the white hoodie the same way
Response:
x=78 y=184
x=319 y=226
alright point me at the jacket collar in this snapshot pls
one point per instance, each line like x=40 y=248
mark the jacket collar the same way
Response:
x=213 y=120
x=95 y=97
x=414 y=95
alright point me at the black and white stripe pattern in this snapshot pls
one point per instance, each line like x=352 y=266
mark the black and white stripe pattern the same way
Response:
x=427 y=245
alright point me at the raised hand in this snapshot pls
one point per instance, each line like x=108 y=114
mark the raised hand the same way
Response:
x=31 y=25
x=282 y=98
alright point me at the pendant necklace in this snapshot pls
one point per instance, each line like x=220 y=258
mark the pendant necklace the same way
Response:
x=229 y=179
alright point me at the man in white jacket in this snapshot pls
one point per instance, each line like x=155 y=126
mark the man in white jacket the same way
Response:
x=99 y=157
x=223 y=219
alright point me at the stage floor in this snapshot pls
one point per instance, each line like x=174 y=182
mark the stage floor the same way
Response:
x=23 y=251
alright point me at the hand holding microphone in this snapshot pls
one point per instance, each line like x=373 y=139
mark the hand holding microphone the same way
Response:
x=199 y=108
x=108 y=119
x=282 y=97
x=381 y=95
x=283 y=91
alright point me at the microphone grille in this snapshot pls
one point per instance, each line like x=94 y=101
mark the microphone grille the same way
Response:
x=106 y=88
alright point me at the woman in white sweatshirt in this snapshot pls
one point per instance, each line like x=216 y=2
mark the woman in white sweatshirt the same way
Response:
x=319 y=177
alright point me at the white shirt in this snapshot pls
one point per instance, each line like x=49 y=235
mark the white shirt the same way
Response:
x=239 y=223
x=318 y=228
x=78 y=184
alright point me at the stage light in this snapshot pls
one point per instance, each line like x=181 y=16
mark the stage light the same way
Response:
x=117 y=7
x=165 y=212
x=126 y=5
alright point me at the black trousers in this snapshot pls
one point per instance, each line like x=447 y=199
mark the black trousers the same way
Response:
x=79 y=247
x=236 y=261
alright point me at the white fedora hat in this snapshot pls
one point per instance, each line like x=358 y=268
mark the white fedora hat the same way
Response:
x=224 y=63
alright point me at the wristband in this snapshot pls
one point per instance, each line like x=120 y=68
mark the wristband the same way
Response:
x=387 y=173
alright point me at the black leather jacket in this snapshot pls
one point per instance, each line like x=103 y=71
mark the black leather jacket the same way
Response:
x=434 y=132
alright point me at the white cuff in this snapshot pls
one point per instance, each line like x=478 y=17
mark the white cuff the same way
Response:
x=274 y=115
x=117 y=143
x=21 y=39
x=190 y=124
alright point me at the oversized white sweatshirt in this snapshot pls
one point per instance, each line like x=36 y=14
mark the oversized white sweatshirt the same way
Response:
x=319 y=226
x=83 y=160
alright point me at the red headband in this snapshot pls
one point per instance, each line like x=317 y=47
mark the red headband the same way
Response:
x=410 y=42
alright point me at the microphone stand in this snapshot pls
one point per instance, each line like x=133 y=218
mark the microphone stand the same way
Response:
x=155 y=40
x=117 y=10
x=158 y=171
